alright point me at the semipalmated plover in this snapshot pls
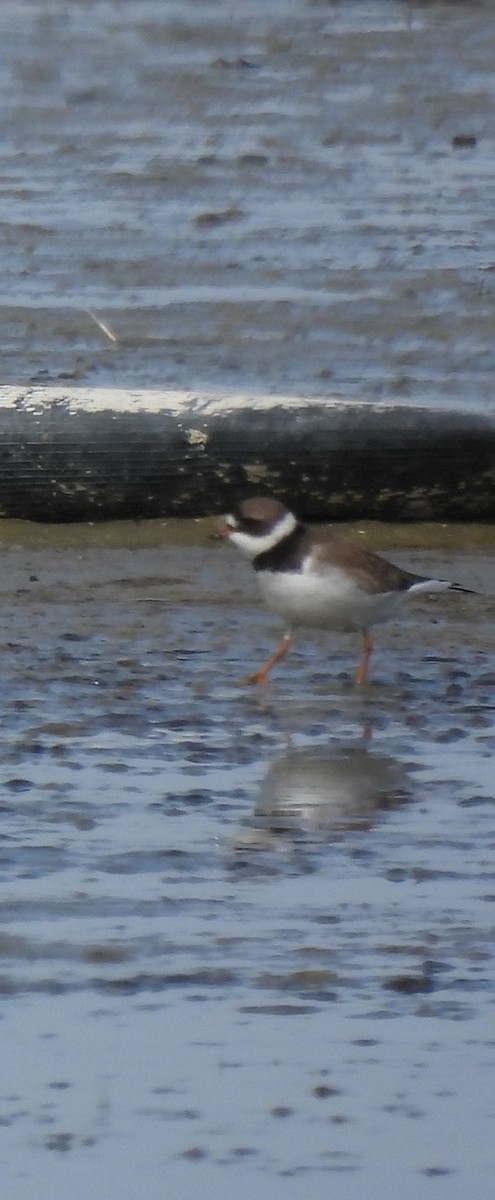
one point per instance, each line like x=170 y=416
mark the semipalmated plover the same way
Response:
x=315 y=578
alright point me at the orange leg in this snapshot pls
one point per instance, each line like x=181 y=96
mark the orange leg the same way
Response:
x=261 y=675
x=365 y=661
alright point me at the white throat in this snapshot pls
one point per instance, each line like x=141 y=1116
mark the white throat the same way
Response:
x=252 y=544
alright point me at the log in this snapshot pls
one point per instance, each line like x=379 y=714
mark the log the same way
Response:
x=78 y=454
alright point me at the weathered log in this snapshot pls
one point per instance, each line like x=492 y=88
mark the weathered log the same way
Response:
x=87 y=454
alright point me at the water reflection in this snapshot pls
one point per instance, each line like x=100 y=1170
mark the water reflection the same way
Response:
x=319 y=794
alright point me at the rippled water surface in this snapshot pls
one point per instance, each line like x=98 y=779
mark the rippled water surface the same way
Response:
x=292 y=196
x=247 y=940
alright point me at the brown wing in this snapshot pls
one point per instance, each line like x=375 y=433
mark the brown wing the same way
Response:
x=372 y=573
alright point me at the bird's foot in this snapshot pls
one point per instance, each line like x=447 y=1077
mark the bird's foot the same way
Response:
x=260 y=676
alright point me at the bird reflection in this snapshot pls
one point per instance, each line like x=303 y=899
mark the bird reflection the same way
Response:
x=316 y=795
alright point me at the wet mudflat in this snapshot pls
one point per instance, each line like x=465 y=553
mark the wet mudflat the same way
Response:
x=247 y=935
x=247 y=940
x=293 y=197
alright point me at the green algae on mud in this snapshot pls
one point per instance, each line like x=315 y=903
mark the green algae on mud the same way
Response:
x=201 y=532
x=118 y=535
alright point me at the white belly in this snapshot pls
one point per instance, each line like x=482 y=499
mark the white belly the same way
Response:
x=328 y=601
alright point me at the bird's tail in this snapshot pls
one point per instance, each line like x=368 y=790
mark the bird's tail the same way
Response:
x=429 y=587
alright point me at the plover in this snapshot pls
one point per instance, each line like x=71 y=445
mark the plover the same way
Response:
x=312 y=577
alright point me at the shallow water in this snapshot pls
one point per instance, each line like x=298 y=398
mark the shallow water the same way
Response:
x=286 y=197
x=248 y=934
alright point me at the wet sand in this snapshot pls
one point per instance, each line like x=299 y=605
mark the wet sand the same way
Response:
x=247 y=933
x=287 y=197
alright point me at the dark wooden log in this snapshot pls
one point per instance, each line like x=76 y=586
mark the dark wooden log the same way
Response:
x=89 y=454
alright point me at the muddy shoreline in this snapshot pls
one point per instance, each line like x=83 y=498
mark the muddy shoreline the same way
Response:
x=136 y=535
x=247 y=933
x=247 y=941
x=287 y=199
